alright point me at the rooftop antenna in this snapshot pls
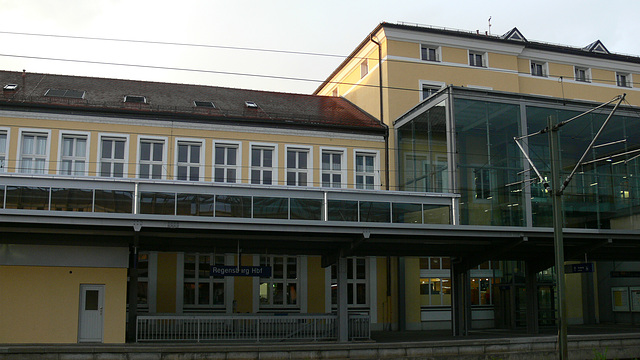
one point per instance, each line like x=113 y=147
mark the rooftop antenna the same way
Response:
x=489 y=25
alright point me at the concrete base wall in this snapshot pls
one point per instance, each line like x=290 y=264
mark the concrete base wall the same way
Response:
x=534 y=348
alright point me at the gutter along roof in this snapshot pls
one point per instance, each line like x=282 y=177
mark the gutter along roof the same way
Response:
x=177 y=101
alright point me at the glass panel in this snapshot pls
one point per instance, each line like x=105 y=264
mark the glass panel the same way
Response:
x=437 y=214
x=91 y=299
x=113 y=201
x=292 y=294
x=306 y=209
x=182 y=153
x=29 y=198
x=145 y=151
x=371 y=211
x=361 y=268
x=231 y=155
x=278 y=267
x=203 y=293
x=157 y=151
x=278 y=294
x=81 y=148
x=434 y=263
x=119 y=150
x=195 y=204
x=157 y=203
x=118 y=170
x=270 y=208
x=343 y=210
x=407 y=213
x=233 y=206
x=195 y=154
x=72 y=200
x=218 y=293
x=361 y=294
x=489 y=160
x=423 y=152
x=292 y=268
x=189 y=293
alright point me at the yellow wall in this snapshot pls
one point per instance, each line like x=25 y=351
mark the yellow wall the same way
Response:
x=243 y=288
x=171 y=134
x=41 y=304
x=166 y=291
x=315 y=289
x=574 y=298
x=412 y=292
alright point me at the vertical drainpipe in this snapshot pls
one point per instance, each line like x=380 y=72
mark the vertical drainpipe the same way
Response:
x=386 y=179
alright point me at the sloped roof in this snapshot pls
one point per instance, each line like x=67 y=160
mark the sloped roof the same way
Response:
x=177 y=100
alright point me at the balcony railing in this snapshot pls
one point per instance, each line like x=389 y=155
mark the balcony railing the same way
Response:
x=256 y=328
x=184 y=200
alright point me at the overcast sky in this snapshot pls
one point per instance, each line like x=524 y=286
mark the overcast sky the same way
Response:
x=328 y=29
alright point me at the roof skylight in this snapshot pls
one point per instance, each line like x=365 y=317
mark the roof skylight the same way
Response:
x=70 y=94
x=208 y=104
x=251 y=104
x=11 y=87
x=137 y=99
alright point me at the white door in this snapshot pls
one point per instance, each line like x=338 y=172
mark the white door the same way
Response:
x=91 y=317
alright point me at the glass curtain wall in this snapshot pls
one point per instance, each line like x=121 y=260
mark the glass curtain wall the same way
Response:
x=604 y=190
x=491 y=173
x=488 y=163
x=422 y=147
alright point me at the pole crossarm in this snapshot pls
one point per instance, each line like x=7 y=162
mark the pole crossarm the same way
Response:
x=593 y=141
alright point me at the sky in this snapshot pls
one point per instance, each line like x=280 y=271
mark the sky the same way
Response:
x=274 y=45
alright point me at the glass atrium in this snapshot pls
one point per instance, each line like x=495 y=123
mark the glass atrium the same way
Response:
x=461 y=140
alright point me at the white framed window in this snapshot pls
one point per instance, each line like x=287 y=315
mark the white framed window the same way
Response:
x=357 y=280
x=428 y=88
x=4 y=149
x=298 y=169
x=152 y=155
x=366 y=170
x=34 y=152
x=429 y=52
x=538 y=68
x=332 y=168
x=582 y=74
x=435 y=281
x=623 y=79
x=189 y=159
x=200 y=290
x=477 y=58
x=364 y=68
x=263 y=164
x=74 y=154
x=113 y=152
x=226 y=162
x=281 y=288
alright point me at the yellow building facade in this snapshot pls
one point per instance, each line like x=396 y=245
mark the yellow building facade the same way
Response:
x=399 y=70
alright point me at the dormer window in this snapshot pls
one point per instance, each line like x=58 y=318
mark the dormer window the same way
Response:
x=206 y=104
x=10 y=87
x=136 y=99
x=251 y=104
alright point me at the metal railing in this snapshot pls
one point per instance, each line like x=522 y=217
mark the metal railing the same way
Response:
x=247 y=328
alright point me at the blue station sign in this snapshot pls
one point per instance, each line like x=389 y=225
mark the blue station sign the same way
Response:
x=222 y=271
x=578 y=268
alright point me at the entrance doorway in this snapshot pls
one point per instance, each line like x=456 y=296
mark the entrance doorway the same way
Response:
x=91 y=316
